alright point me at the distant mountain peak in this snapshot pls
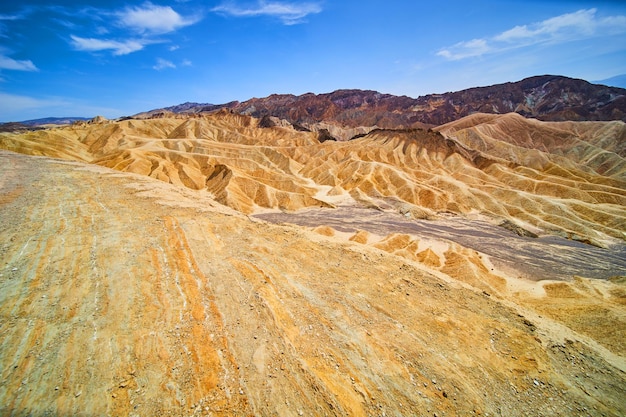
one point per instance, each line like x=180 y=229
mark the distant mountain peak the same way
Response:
x=545 y=97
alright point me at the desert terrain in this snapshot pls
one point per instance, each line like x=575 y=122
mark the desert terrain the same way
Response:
x=206 y=265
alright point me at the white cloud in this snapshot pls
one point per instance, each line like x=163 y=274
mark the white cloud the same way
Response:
x=186 y=63
x=141 y=23
x=467 y=49
x=163 y=64
x=153 y=19
x=289 y=13
x=118 y=48
x=10 y=17
x=12 y=64
x=4 y=32
x=582 y=24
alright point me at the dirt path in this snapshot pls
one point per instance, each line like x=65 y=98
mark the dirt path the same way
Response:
x=120 y=295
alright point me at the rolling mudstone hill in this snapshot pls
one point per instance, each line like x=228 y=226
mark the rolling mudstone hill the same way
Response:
x=217 y=264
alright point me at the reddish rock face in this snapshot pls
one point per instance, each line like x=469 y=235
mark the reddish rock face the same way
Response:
x=547 y=97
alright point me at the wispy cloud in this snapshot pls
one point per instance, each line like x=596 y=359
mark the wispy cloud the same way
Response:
x=140 y=27
x=567 y=27
x=150 y=18
x=4 y=32
x=163 y=64
x=17 y=65
x=289 y=13
x=118 y=48
x=10 y=17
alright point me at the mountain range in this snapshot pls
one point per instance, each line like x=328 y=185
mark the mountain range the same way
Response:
x=38 y=123
x=547 y=97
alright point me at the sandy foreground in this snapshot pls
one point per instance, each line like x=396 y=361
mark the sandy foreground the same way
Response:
x=123 y=295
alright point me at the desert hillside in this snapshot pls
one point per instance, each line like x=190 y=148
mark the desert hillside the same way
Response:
x=562 y=178
x=207 y=265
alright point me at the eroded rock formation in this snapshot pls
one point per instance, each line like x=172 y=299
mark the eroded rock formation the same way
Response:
x=138 y=276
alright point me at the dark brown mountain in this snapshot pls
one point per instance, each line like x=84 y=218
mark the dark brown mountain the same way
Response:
x=547 y=97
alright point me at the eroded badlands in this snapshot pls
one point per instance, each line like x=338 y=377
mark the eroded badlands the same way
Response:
x=156 y=287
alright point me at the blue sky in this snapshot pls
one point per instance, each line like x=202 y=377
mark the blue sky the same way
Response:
x=115 y=58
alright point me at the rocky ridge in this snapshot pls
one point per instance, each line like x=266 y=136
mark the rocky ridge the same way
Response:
x=547 y=97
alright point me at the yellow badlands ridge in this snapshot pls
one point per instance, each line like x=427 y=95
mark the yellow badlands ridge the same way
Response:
x=156 y=287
